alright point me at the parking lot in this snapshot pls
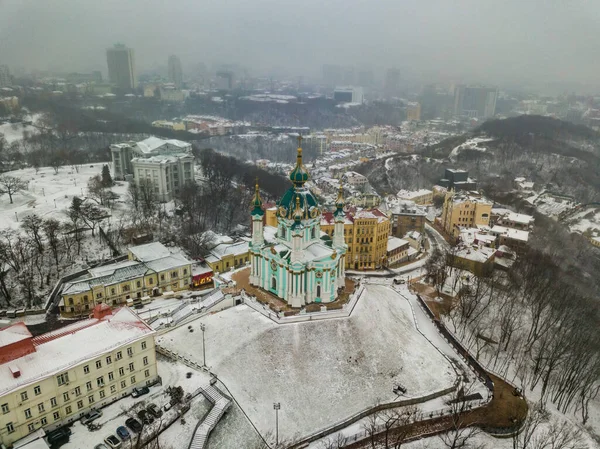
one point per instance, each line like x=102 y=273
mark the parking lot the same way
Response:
x=115 y=415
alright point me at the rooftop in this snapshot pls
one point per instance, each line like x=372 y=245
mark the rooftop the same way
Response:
x=149 y=251
x=482 y=254
x=410 y=194
x=62 y=350
x=13 y=334
x=151 y=144
x=395 y=243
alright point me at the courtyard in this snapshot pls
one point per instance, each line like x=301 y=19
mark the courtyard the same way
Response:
x=320 y=372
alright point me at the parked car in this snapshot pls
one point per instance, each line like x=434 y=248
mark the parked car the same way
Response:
x=145 y=417
x=90 y=416
x=168 y=406
x=101 y=446
x=113 y=442
x=123 y=433
x=60 y=434
x=154 y=410
x=399 y=281
x=137 y=392
x=134 y=424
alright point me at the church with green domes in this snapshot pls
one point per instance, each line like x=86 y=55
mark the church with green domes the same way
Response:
x=302 y=265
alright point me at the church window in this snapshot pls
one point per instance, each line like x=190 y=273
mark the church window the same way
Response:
x=312 y=233
x=318 y=291
x=274 y=283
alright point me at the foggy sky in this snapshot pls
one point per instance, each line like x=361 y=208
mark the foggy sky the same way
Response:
x=489 y=41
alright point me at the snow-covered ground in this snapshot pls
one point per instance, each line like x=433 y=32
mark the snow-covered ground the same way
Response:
x=336 y=367
x=175 y=437
x=14 y=131
x=49 y=195
x=549 y=205
x=587 y=219
x=471 y=144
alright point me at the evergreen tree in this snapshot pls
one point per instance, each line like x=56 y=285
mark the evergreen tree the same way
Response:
x=107 y=180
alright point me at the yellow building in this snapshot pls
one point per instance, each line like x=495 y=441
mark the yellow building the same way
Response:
x=421 y=197
x=366 y=234
x=462 y=210
x=53 y=379
x=165 y=124
x=477 y=260
x=150 y=270
x=595 y=241
x=226 y=256
x=413 y=112
x=271 y=217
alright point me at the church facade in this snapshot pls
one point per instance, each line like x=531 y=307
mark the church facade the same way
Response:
x=302 y=265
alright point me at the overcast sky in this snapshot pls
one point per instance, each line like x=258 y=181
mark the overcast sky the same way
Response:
x=489 y=41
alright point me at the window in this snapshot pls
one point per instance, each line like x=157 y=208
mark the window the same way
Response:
x=41 y=407
x=91 y=398
x=108 y=360
x=100 y=381
x=86 y=369
x=112 y=291
x=132 y=380
x=125 y=288
x=138 y=284
x=79 y=405
x=184 y=271
x=43 y=421
x=37 y=390
x=28 y=413
x=53 y=402
x=121 y=371
x=129 y=351
x=131 y=366
x=62 y=378
x=77 y=391
x=66 y=397
x=10 y=428
x=150 y=281
x=173 y=274
x=31 y=427
x=98 y=364
x=143 y=345
x=111 y=376
x=147 y=373
x=88 y=385
x=5 y=408
x=24 y=396
x=145 y=361
x=85 y=298
x=56 y=415
x=119 y=355
x=123 y=384
x=99 y=295
x=162 y=277
x=70 y=301
x=68 y=410
x=102 y=394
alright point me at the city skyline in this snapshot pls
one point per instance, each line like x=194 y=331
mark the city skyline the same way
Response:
x=438 y=43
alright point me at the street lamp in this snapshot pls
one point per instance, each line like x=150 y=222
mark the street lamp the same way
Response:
x=276 y=407
x=203 y=328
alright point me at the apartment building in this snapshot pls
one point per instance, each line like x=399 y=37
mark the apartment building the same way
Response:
x=406 y=216
x=421 y=196
x=150 y=269
x=463 y=210
x=225 y=256
x=53 y=379
x=366 y=233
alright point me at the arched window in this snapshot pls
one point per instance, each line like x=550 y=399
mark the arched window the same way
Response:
x=312 y=233
x=318 y=291
x=273 y=283
x=282 y=232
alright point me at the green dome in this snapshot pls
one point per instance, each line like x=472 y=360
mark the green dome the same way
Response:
x=299 y=175
x=307 y=203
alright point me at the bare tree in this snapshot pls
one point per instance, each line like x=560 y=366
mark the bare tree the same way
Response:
x=462 y=429
x=32 y=225
x=11 y=185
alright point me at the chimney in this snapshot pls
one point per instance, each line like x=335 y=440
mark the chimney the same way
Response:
x=15 y=371
x=102 y=310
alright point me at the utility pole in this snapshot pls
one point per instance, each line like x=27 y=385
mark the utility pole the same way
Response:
x=203 y=328
x=276 y=407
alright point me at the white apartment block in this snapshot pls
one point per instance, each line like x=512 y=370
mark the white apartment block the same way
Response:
x=168 y=164
x=53 y=379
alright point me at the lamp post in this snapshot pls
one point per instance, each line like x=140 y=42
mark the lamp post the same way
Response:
x=276 y=407
x=203 y=328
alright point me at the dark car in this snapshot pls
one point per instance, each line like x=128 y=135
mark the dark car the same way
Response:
x=61 y=434
x=145 y=417
x=137 y=392
x=123 y=433
x=134 y=424
x=154 y=410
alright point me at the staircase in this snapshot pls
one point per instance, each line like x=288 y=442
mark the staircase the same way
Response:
x=220 y=405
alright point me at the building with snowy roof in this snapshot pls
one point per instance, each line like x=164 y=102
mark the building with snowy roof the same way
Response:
x=53 y=379
x=301 y=266
x=396 y=251
x=163 y=165
x=406 y=216
x=150 y=269
x=479 y=260
x=421 y=196
x=464 y=210
x=226 y=256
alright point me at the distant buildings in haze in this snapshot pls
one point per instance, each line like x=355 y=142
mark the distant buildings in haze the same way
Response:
x=348 y=94
x=475 y=101
x=5 y=79
x=121 y=67
x=175 y=71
